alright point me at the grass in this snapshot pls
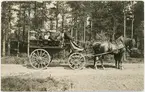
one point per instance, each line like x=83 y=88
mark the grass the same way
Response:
x=25 y=60
x=13 y=60
x=21 y=84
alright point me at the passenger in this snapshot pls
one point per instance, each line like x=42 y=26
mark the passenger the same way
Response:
x=58 y=36
x=32 y=37
x=54 y=36
x=41 y=36
x=47 y=36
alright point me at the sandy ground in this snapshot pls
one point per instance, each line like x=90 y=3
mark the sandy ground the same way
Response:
x=130 y=78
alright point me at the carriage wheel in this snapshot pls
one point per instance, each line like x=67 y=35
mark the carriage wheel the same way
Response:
x=40 y=58
x=76 y=61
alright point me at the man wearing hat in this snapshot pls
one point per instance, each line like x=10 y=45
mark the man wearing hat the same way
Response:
x=32 y=35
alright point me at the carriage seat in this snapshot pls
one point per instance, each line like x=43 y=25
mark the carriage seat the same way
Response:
x=75 y=46
x=44 y=43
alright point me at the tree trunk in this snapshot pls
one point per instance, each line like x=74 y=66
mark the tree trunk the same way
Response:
x=124 y=35
x=35 y=14
x=9 y=30
x=132 y=29
x=114 y=27
x=84 y=31
x=57 y=16
x=28 y=34
x=91 y=36
x=3 y=45
x=76 y=23
x=24 y=27
x=62 y=24
x=72 y=28
x=9 y=47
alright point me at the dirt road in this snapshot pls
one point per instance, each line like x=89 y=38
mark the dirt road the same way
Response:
x=131 y=78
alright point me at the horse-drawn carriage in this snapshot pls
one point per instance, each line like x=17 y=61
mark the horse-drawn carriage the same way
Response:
x=42 y=51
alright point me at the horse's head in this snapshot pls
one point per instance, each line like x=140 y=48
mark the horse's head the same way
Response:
x=130 y=44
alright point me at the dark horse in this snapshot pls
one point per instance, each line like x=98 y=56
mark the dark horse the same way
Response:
x=116 y=48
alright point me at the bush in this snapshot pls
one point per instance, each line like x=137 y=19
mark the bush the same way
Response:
x=135 y=53
x=13 y=60
x=20 y=84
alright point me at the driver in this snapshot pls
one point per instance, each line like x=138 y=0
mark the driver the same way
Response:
x=57 y=36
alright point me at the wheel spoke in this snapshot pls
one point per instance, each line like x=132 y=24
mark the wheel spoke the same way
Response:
x=41 y=65
x=45 y=60
x=38 y=65
x=71 y=61
x=34 y=54
x=34 y=59
x=40 y=52
x=81 y=60
x=76 y=67
x=43 y=54
x=73 y=65
x=34 y=63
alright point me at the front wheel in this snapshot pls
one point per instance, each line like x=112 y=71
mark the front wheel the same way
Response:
x=76 y=61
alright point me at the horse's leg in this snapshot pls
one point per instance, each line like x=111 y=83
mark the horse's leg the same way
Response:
x=121 y=55
x=120 y=61
x=119 y=64
x=116 y=61
x=101 y=59
x=125 y=55
x=95 y=62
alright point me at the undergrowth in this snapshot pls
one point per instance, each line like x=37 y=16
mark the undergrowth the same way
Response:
x=21 y=84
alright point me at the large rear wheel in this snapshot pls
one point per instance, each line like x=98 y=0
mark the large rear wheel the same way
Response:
x=39 y=58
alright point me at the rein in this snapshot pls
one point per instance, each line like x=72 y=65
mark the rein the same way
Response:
x=82 y=41
x=106 y=52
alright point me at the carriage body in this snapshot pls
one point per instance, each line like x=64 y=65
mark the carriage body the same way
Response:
x=42 y=51
x=50 y=46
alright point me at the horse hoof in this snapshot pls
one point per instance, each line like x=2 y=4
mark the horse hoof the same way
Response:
x=121 y=68
x=103 y=68
x=116 y=67
x=95 y=68
x=84 y=68
x=45 y=68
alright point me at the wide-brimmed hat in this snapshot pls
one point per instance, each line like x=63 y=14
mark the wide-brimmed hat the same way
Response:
x=52 y=30
x=33 y=31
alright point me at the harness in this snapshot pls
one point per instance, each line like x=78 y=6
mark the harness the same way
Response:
x=116 y=45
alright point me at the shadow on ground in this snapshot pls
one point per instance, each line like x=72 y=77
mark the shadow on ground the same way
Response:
x=66 y=66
